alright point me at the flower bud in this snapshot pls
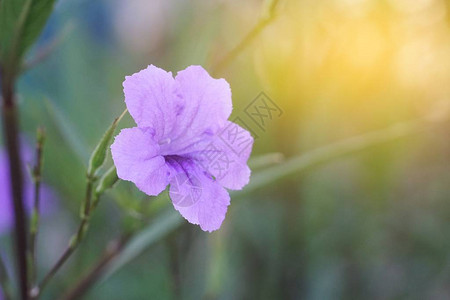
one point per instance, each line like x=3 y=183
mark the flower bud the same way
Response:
x=98 y=157
x=107 y=180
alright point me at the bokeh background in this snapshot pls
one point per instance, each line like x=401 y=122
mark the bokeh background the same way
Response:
x=369 y=225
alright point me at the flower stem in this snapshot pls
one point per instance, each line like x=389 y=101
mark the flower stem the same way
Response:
x=113 y=249
x=74 y=241
x=34 y=226
x=11 y=135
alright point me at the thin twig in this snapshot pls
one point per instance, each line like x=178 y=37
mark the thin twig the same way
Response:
x=92 y=277
x=34 y=226
x=85 y=283
x=74 y=241
x=248 y=39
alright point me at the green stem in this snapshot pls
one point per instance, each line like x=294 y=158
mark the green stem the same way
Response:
x=34 y=226
x=74 y=241
x=113 y=249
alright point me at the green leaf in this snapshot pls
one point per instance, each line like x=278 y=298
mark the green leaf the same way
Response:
x=21 y=22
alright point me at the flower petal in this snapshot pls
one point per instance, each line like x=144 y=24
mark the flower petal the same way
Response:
x=198 y=198
x=207 y=106
x=225 y=156
x=136 y=157
x=151 y=99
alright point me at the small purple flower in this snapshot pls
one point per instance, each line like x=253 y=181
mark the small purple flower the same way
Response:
x=183 y=139
x=48 y=197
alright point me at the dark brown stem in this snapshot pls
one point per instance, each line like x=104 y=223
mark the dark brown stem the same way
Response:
x=84 y=284
x=34 y=226
x=11 y=135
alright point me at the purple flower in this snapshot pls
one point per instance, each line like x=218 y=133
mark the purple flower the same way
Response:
x=48 y=197
x=183 y=138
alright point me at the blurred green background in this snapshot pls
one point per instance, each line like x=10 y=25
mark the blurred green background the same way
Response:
x=370 y=225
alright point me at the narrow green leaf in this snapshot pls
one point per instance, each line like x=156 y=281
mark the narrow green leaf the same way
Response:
x=21 y=22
